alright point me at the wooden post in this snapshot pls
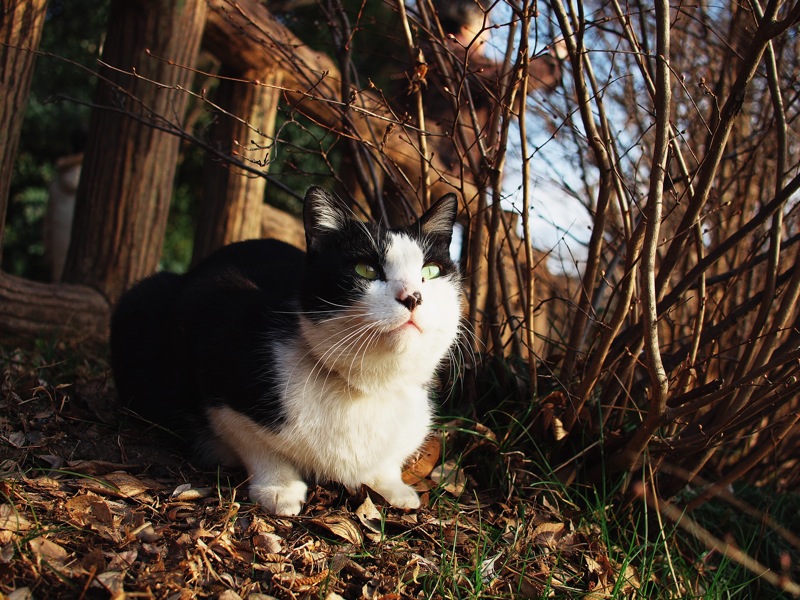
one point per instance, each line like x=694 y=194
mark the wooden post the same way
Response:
x=20 y=32
x=30 y=310
x=233 y=198
x=124 y=195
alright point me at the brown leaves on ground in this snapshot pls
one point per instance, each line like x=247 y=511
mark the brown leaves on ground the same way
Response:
x=59 y=538
x=89 y=510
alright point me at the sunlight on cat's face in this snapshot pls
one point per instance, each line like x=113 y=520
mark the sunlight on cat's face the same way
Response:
x=409 y=299
x=377 y=299
x=399 y=303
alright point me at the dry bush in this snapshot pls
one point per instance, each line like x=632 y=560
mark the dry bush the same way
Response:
x=678 y=334
x=684 y=337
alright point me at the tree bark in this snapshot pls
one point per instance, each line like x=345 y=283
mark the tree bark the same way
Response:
x=30 y=310
x=20 y=32
x=280 y=225
x=231 y=209
x=123 y=198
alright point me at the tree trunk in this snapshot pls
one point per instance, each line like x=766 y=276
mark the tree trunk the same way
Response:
x=20 y=31
x=30 y=310
x=231 y=209
x=124 y=195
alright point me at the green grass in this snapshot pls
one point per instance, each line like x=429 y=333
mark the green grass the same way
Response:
x=649 y=556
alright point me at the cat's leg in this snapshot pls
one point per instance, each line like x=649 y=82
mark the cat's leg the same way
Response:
x=388 y=482
x=275 y=485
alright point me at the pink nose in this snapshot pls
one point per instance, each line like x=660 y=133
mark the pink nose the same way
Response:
x=410 y=301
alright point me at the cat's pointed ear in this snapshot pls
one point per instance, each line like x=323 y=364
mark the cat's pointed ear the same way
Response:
x=440 y=218
x=322 y=213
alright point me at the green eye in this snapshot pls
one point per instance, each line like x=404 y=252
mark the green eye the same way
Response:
x=430 y=271
x=367 y=271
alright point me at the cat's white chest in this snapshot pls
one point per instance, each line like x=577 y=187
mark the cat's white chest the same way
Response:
x=334 y=432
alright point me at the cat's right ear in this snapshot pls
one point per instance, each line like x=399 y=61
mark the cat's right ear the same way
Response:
x=322 y=214
x=440 y=218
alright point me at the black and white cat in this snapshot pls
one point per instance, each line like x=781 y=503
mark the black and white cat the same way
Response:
x=314 y=365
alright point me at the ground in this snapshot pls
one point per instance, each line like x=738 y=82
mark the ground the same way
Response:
x=96 y=504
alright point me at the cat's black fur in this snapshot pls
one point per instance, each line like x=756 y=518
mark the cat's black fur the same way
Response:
x=179 y=342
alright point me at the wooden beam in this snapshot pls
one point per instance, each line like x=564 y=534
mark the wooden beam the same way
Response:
x=30 y=310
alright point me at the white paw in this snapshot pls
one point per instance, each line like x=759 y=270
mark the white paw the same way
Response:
x=283 y=500
x=400 y=495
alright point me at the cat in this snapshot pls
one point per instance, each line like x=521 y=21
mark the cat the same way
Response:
x=313 y=365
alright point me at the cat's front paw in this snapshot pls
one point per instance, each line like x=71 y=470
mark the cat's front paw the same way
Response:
x=283 y=500
x=399 y=495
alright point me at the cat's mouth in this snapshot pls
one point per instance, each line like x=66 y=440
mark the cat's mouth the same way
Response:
x=410 y=324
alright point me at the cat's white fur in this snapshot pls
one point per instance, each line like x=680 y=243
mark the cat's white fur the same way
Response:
x=355 y=391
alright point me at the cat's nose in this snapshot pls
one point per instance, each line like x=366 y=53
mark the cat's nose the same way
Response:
x=410 y=301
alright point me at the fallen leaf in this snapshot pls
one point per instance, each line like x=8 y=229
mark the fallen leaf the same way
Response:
x=181 y=512
x=90 y=510
x=487 y=570
x=55 y=462
x=450 y=477
x=630 y=579
x=559 y=433
x=121 y=561
x=116 y=484
x=301 y=582
x=49 y=551
x=12 y=520
x=546 y=534
x=596 y=569
x=16 y=439
x=187 y=493
x=94 y=560
x=146 y=533
x=7 y=551
x=410 y=519
x=111 y=581
x=268 y=542
x=23 y=593
x=423 y=462
x=369 y=516
x=418 y=564
x=97 y=467
x=44 y=483
x=342 y=527
x=528 y=588
x=127 y=484
x=487 y=433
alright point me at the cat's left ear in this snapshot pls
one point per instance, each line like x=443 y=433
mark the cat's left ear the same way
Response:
x=440 y=218
x=322 y=214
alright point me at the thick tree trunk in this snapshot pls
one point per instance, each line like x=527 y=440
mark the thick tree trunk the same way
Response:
x=20 y=31
x=124 y=195
x=233 y=198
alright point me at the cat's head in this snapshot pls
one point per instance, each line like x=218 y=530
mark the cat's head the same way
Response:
x=371 y=290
